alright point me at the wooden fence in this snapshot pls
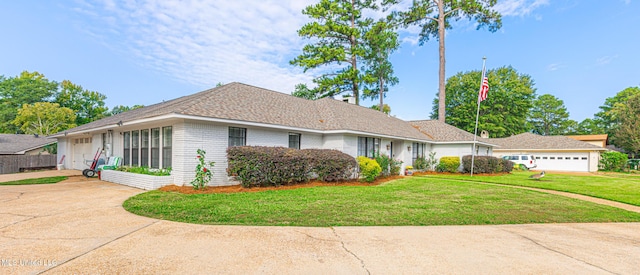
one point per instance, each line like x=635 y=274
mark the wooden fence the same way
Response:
x=16 y=163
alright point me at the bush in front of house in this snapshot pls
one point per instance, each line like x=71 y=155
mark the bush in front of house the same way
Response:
x=486 y=164
x=389 y=165
x=613 y=161
x=448 y=164
x=274 y=166
x=144 y=170
x=369 y=168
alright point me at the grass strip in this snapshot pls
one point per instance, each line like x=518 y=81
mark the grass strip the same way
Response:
x=411 y=201
x=47 y=180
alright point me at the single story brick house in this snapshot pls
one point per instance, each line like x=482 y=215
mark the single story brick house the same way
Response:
x=168 y=134
x=552 y=153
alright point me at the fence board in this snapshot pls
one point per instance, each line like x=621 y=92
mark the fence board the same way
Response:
x=15 y=163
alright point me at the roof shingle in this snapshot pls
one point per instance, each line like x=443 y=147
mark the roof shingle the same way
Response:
x=12 y=143
x=529 y=141
x=241 y=102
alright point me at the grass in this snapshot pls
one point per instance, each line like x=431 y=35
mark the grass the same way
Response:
x=618 y=187
x=35 y=181
x=411 y=201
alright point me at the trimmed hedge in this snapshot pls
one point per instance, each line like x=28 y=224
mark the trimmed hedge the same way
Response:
x=486 y=164
x=274 y=166
x=613 y=161
x=449 y=164
x=369 y=168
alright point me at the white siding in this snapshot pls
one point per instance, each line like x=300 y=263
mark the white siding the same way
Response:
x=63 y=150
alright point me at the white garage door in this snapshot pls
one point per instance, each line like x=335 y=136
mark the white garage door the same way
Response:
x=575 y=162
x=81 y=152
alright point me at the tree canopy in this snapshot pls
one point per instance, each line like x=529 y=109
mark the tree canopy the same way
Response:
x=33 y=87
x=44 y=118
x=626 y=133
x=337 y=34
x=549 y=116
x=381 y=40
x=434 y=18
x=503 y=113
x=26 y=88
x=88 y=105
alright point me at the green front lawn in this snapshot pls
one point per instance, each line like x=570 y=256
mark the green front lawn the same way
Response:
x=616 y=187
x=35 y=181
x=411 y=201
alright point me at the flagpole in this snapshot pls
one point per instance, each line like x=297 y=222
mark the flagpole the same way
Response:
x=475 y=132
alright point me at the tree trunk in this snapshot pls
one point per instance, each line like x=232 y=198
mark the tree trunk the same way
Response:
x=441 y=73
x=354 y=64
x=381 y=94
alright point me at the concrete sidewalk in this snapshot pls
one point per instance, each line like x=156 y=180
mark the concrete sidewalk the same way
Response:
x=81 y=227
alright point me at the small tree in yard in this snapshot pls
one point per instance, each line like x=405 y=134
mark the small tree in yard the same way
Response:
x=203 y=174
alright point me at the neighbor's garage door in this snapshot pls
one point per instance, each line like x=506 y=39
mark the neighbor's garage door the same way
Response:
x=575 y=162
x=81 y=152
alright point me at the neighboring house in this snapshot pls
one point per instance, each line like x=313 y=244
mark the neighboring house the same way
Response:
x=20 y=152
x=447 y=140
x=597 y=140
x=16 y=144
x=168 y=134
x=552 y=153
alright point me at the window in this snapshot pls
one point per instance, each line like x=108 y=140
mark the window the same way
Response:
x=576 y=158
x=294 y=140
x=144 y=147
x=567 y=157
x=368 y=146
x=544 y=157
x=135 y=147
x=525 y=157
x=417 y=151
x=166 y=147
x=552 y=157
x=126 y=155
x=237 y=136
x=537 y=157
x=155 y=148
x=514 y=157
x=584 y=158
x=104 y=141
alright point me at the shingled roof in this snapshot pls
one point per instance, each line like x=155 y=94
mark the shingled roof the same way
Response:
x=12 y=144
x=245 y=103
x=529 y=141
x=440 y=131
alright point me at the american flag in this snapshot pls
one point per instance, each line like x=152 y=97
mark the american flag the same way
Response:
x=484 y=89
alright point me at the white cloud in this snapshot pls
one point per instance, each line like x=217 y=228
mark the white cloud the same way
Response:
x=555 y=66
x=205 y=42
x=519 y=7
x=606 y=59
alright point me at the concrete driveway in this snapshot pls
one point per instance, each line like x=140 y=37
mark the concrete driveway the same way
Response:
x=79 y=226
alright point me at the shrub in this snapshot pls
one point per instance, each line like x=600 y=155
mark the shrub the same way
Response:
x=203 y=174
x=274 y=166
x=449 y=164
x=369 y=168
x=144 y=170
x=420 y=164
x=385 y=163
x=519 y=167
x=486 y=164
x=432 y=161
x=613 y=161
x=396 y=164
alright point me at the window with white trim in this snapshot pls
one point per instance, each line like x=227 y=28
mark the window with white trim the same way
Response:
x=294 y=140
x=368 y=146
x=237 y=136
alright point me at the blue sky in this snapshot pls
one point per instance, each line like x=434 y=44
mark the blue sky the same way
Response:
x=143 y=52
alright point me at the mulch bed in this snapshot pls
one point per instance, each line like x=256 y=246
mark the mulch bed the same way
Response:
x=187 y=189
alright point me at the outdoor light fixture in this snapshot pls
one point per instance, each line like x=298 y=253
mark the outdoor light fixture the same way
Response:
x=409 y=148
x=120 y=123
x=388 y=147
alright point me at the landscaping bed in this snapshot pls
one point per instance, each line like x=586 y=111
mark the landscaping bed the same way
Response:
x=239 y=188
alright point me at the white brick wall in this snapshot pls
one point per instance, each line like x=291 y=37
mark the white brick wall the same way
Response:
x=191 y=136
x=145 y=182
x=311 y=141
